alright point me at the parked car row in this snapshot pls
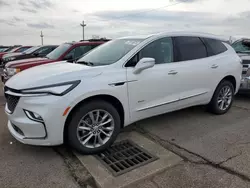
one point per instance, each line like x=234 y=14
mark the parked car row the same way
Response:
x=70 y=52
x=14 y=49
x=36 y=51
x=87 y=103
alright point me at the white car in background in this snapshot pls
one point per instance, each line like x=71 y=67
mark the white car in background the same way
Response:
x=120 y=82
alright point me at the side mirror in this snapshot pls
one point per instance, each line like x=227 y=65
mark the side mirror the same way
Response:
x=144 y=63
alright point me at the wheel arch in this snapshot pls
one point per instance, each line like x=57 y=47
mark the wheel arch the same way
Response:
x=231 y=79
x=106 y=97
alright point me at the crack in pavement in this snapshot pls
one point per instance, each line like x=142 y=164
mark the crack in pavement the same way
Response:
x=192 y=157
x=76 y=168
x=240 y=107
x=228 y=159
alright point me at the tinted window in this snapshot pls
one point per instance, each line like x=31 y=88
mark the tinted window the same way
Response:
x=189 y=48
x=110 y=52
x=161 y=50
x=94 y=45
x=214 y=46
x=32 y=49
x=70 y=54
x=60 y=50
x=82 y=50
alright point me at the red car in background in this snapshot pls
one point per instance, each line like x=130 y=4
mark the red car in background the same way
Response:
x=15 y=50
x=65 y=52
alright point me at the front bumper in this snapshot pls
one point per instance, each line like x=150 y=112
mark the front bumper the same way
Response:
x=46 y=133
x=245 y=84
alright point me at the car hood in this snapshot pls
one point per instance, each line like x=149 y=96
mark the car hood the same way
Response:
x=53 y=73
x=18 y=63
x=2 y=53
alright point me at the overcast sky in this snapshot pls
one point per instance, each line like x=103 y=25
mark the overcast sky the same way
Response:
x=22 y=20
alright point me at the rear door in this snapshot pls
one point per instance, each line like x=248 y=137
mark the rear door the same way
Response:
x=194 y=72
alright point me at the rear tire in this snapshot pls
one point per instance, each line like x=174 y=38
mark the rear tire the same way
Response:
x=223 y=98
x=97 y=123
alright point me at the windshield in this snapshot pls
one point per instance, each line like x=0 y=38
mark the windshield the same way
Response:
x=22 y=49
x=32 y=49
x=14 y=49
x=56 y=53
x=240 y=47
x=109 y=52
x=3 y=49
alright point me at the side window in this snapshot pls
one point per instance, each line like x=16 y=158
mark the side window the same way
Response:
x=214 y=46
x=85 y=49
x=43 y=50
x=70 y=54
x=189 y=48
x=94 y=46
x=161 y=50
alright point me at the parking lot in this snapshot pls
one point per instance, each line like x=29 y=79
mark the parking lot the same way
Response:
x=212 y=151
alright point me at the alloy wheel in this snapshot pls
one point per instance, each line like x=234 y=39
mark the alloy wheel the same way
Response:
x=95 y=128
x=224 y=98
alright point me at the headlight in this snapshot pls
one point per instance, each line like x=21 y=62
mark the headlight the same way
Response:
x=55 y=89
x=12 y=71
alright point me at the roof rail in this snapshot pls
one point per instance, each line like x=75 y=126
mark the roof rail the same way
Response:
x=100 y=39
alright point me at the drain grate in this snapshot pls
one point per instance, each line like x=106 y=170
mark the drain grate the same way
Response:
x=125 y=156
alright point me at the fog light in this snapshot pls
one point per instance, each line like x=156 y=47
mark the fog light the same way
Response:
x=33 y=116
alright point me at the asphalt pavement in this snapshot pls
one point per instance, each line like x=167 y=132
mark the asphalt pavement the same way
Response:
x=215 y=149
x=215 y=152
x=23 y=166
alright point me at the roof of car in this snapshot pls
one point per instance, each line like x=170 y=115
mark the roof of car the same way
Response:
x=89 y=41
x=179 y=33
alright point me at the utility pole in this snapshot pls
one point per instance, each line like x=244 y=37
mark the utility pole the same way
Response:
x=42 y=37
x=83 y=25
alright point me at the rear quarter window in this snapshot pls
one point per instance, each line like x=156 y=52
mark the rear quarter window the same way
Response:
x=214 y=46
x=189 y=48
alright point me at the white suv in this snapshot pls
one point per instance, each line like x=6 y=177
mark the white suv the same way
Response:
x=120 y=82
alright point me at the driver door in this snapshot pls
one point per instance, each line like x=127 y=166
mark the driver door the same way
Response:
x=154 y=90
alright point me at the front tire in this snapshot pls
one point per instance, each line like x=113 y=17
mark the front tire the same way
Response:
x=223 y=98
x=94 y=126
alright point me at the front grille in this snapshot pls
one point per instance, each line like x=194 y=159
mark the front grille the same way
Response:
x=125 y=156
x=11 y=101
x=245 y=62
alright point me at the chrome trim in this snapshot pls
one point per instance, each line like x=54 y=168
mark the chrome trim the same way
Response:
x=173 y=101
x=169 y=102
x=191 y=96
x=24 y=95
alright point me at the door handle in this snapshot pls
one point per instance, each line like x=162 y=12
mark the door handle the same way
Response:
x=214 y=66
x=172 y=72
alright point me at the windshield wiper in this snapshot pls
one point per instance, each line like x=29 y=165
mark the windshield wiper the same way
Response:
x=85 y=63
